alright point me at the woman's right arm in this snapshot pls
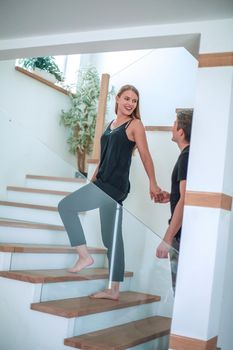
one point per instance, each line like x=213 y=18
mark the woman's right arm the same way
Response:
x=139 y=136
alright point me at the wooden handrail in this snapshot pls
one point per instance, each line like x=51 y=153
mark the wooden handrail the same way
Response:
x=42 y=80
x=158 y=128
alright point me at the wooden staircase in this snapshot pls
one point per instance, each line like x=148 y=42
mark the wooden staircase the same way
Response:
x=53 y=305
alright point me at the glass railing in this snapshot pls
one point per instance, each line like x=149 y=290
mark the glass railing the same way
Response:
x=42 y=182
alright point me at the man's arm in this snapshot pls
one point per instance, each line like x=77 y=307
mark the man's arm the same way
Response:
x=174 y=226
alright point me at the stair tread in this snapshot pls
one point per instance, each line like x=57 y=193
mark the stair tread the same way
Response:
x=31 y=206
x=57 y=275
x=27 y=205
x=56 y=178
x=44 y=248
x=123 y=336
x=74 y=307
x=31 y=225
x=37 y=190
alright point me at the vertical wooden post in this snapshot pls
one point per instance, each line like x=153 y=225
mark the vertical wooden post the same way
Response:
x=100 y=115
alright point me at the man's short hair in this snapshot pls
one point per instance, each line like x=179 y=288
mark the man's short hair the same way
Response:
x=184 y=121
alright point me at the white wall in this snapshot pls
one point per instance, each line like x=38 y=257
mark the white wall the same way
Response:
x=35 y=106
x=22 y=154
x=215 y=85
x=166 y=80
x=32 y=141
x=226 y=336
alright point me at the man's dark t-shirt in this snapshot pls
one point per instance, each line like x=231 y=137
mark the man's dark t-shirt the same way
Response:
x=179 y=173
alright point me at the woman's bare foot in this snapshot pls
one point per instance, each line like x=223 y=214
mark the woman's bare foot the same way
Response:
x=106 y=294
x=81 y=263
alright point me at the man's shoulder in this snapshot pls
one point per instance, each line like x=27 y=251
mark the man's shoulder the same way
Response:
x=184 y=154
x=186 y=150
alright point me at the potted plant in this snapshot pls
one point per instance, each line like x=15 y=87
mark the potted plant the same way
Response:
x=80 y=119
x=43 y=64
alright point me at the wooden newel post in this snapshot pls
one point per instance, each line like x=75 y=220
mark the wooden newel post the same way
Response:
x=100 y=118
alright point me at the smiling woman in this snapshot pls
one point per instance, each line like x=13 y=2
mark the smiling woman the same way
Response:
x=111 y=180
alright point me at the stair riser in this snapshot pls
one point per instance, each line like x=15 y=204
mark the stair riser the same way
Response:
x=31 y=215
x=157 y=344
x=31 y=330
x=63 y=290
x=32 y=198
x=36 y=236
x=102 y=320
x=40 y=327
x=54 y=185
x=29 y=261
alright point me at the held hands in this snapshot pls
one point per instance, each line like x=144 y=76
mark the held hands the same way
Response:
x=159 y=196
x=155 y=193
x=164 y=197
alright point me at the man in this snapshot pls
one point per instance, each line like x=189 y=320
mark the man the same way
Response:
x=181 y=133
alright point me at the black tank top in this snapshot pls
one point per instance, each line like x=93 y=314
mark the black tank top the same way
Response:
x=115 y=157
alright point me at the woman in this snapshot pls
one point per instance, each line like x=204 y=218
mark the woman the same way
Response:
x=125 y=133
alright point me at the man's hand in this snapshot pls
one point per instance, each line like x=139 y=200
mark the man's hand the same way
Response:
x=163 y=250
x=164 y=197
x=159 y=196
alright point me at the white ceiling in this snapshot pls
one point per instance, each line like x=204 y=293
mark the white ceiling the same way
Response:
x=27 y=18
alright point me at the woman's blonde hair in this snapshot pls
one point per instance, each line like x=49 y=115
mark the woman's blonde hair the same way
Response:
x=136 y=112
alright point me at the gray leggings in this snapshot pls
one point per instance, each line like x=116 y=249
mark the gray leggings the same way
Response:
x=91 y=197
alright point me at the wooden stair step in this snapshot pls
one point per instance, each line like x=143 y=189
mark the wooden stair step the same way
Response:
x=30 y=225
x=44 y=248
x=74 y=307
x=26 y=205
x=56 y=178
x=57 y=275
x=37 y=190
x=123 y=336
x=31 y=206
